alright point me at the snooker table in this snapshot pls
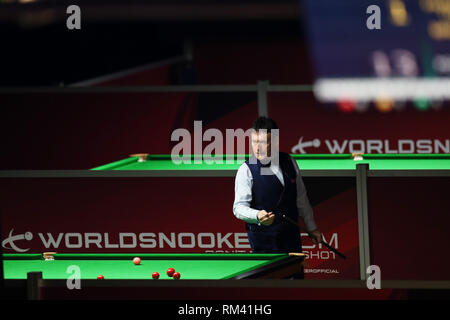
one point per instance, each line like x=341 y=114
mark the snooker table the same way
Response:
x=309 y=164
x=120 y=267
x=390 y=187
x=227 y=277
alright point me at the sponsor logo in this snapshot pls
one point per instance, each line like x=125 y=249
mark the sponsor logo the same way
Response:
x=321 y=271
x=212 y=242
x=374 y=146
x=127 y=240
x=300 y=147
x=9 y=242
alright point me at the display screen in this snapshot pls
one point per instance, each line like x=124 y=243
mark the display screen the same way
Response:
x=395 y=49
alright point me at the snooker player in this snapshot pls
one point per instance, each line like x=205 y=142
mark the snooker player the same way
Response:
x=262 y=199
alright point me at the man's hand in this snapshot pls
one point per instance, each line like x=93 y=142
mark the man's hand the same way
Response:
x=266 y=218
x=316 y=236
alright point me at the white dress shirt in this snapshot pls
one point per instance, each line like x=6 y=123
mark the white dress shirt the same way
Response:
x=243 y=196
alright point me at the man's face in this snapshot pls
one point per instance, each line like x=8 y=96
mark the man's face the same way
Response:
x=261 y=144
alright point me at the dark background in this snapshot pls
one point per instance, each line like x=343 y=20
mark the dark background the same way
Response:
x=207 y=42
x=38 y=49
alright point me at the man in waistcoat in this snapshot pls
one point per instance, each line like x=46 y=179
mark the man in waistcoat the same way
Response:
x=268 y=187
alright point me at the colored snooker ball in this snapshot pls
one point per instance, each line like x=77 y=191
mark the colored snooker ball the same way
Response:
x=170 y=272
x=176 y=275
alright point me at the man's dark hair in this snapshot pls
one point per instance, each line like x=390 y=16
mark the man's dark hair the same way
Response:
x=264 y=123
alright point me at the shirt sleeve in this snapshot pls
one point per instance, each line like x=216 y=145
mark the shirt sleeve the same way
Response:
x=304 y=207
x=243 y=196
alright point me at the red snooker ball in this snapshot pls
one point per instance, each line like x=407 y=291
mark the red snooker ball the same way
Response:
x=100 y=277
x=176 y=275
x=155 y=275
x=170 y=272
x=137 y=261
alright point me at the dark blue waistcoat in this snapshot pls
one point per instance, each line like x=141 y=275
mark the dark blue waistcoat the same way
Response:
x=269 y=194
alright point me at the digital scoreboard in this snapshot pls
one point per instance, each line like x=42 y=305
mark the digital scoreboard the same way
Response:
x=390 y=50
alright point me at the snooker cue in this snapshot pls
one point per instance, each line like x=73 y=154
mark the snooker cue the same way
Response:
x=322 y=242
